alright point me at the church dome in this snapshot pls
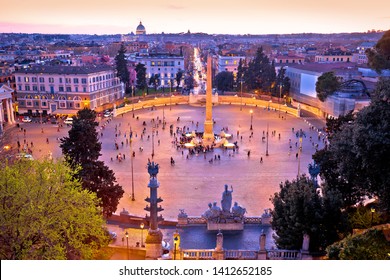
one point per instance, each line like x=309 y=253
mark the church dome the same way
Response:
x=140 y=29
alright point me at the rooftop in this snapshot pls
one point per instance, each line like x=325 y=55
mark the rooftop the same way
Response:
x=61 y=69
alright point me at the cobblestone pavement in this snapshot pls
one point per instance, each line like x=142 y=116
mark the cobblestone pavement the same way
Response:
x=194 y=182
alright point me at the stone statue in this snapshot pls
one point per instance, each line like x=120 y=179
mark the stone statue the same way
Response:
x=209 y=213
x=216 y=212
x=238 y=211
x=226 y=201
x=153 y=169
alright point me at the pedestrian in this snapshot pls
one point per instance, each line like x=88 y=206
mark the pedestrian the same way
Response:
x=47 y=140
x=261 y=159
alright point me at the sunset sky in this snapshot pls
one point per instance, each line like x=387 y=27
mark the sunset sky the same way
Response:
x=209 y=16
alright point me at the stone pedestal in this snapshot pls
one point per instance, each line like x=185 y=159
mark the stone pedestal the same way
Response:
x=218 y=254
x=262 y=254
x=153 y=244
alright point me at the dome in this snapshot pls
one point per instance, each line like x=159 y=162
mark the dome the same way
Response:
x=140 y=29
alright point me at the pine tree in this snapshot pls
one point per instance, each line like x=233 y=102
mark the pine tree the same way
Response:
x=122 y=72
x=82 y=149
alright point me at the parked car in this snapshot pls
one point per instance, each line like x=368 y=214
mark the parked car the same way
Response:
x=112 y=234
x=26 y=119
x=25 y=156
x=107 y=114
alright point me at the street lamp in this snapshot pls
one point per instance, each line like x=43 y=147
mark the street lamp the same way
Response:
x=372 y=214
x=266 y=151
x=251 y=111
x=132 y=168
x=170 y=102
x=127 y=243
x=176 y=242
x=153 y=142
x=142 y=225
x=242 y=75
x=280 y=96
x=132 y=98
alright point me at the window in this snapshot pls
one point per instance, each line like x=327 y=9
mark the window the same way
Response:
x=41 y=79
x=83 y=80
x=44 y=104
x=29 y=103
x=35 y=88
x=93 y=79
x=84 y=89
x=19 y=79
x=27 y=87
x=60 y=80
x=51 y=80
x=76 y=89
x=19 y=87
x=34 y=79
x=67 y=80
x=42 y=88
x=61 y=88
x=26 y=79
x=68 y=89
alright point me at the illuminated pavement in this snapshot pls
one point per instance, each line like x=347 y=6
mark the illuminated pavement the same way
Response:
x=192 y=183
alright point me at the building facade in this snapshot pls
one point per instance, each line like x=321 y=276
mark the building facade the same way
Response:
x=229 y=62
x=66 y=89
x=6 y=107
x=165 y=65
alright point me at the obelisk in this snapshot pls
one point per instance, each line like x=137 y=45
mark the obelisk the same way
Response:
x=208 y=134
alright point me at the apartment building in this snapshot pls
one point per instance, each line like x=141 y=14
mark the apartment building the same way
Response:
x=166 y=65
x=66 y=89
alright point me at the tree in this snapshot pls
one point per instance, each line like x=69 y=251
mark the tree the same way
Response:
x=122 y=72
x=141 y=76
x=260 y=73
x=369 y=245
x=356 y=161
x=189 y=81
x=179 y=76
x=82 y=149
x=224 y=81
x=326 y=85
x=284 y=81
x=299 y=209
x=379 y=56
x=46 y=215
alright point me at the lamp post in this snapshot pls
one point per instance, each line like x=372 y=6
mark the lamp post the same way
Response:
x=372 y=214
x=242 y=75
x=251 y=111
x=131 y=161
x=127 y=243
x=132 y=98
x=266 y=151
x=280 y=96
x=142 y=225
x=299 y=153
x=170 y=102
x=153 y=142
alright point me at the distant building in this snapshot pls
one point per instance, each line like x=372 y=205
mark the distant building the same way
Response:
x=333 y=57
x=66 y=89
x=140 y=29
x=6 y=106
x=287 y=59
x=229 y=62
x=303 y=79
x=166 y=65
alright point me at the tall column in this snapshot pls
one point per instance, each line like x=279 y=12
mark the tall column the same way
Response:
x=208 y=134
x=154 y=238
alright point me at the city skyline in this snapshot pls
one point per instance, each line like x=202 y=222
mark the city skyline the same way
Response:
x=212 y=17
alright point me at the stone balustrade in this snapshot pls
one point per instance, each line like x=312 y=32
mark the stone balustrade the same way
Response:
x=197 y=254
x=240 y=255
x=284 y=255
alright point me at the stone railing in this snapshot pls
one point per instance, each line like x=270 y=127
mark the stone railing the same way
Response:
x=240 y=255
x=197 y=254
x=284 y=255
x=196 y=221
x=252 y=220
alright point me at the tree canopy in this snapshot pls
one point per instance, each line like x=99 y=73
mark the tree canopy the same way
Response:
x=356 y=162
x=260 y=73
x=326 y=85
x=300 y=209
x=46 y=215
x=141 y=76
x=379 y=56
x=224 y=81
x=82 y=148
x=122 y=72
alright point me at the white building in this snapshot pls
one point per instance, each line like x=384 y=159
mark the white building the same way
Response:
x=66 y=89
x=6 y=107
x=166 y=65
x=229 y=62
